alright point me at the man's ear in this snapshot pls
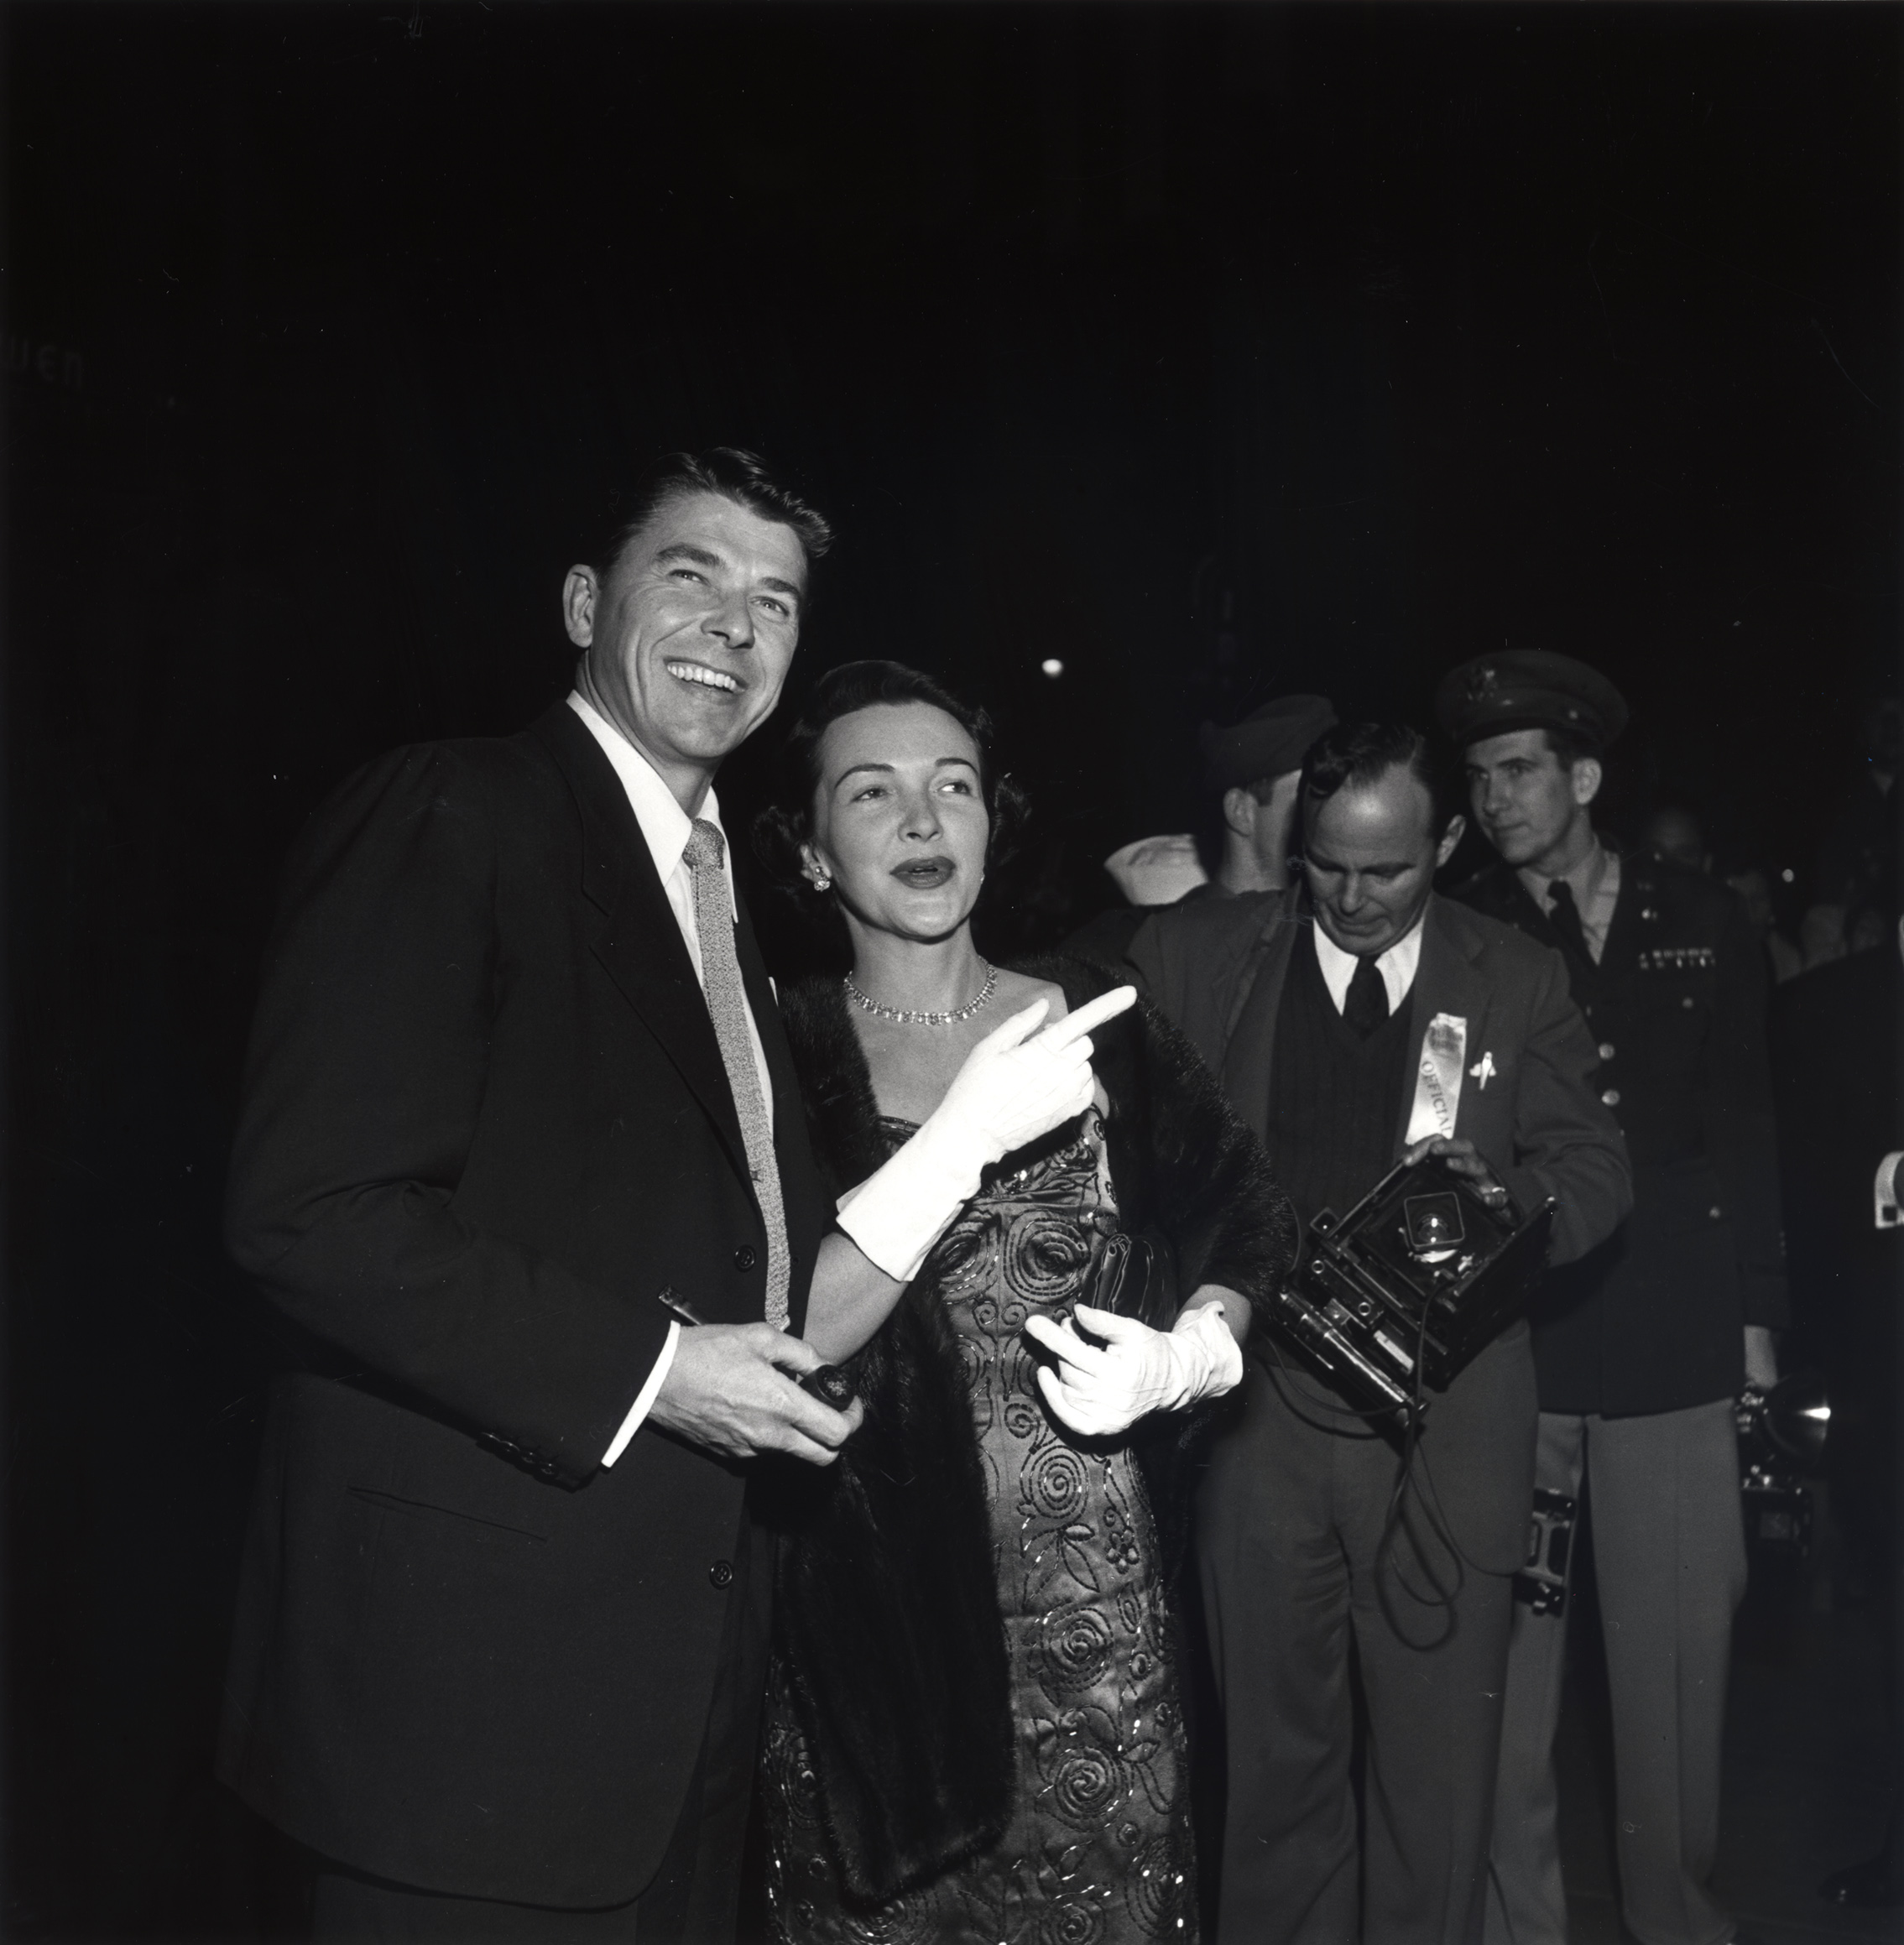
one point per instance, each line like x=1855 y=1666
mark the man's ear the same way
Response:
x=1239 y=811
x=579 y=590
x=1457 y=826
x=1587 y=776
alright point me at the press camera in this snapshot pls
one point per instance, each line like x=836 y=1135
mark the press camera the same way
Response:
x=1396 y=1297
x=1782 y=1434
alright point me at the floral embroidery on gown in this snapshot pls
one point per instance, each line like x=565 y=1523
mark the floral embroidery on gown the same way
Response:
x=1098 y=1848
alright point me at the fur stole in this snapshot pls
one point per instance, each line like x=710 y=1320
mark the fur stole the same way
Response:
x=887 y=1597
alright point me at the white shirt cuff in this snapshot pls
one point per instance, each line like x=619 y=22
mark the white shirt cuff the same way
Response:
x=643 y=1404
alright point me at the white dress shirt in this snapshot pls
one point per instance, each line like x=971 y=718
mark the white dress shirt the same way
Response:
x=1396 y=966
x=666 y=828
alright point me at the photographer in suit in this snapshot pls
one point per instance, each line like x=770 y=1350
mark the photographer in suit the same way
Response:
x=1315 y=1006
x=1641 y=1348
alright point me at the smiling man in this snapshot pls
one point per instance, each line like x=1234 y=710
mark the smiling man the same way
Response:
x=1315 y=1006
x=518 y=1099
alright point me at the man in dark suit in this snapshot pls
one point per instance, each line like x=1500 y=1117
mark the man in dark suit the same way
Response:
x=517 y=1071
x=1837 y=1043
x=1640 y=1348
x=1352 y=1019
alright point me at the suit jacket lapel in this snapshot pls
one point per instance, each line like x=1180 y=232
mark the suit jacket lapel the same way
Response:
x=1445 y=982
x=1250 y=1045
x=631 y=925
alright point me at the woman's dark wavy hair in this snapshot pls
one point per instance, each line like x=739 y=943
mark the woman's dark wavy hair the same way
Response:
x=787 y=821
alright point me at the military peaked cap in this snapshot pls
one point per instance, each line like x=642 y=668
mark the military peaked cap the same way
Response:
x=1529 y=689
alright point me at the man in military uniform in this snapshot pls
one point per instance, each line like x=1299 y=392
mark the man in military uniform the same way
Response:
x=1641 y=1348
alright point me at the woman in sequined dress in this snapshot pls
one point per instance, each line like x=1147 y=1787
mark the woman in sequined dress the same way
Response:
x=974 y=1730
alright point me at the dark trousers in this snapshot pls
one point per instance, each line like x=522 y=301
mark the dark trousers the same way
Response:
x=696 y=1894
x=1293 y=1564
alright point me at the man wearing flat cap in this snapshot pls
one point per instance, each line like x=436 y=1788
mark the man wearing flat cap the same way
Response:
x=1641 y=1348
x=1251 y=770
x=1250 y=773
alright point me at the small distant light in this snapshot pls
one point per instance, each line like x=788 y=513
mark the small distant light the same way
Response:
x=1052 y=667
x=1787 y=875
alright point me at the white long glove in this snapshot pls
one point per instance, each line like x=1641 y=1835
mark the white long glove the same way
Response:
x=1137 y=1370
x=1016 y=1084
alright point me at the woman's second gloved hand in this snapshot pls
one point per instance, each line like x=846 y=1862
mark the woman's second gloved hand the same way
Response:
x=1099 y=1389
x=1016 y=1084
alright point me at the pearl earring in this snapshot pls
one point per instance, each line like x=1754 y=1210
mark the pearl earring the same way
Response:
x=822 y=882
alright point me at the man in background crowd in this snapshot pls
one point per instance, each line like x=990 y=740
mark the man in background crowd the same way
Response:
x=1641 y=1347
x=1835 y=1052
x=1674 y=833
x=1316 y=1005
x=1853 y=882
x=1250 y=777
x=1751 y=881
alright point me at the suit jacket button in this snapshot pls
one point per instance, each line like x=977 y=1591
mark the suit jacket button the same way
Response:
x=1606 y=1050
x=721 y=1573
x=745 y=1257
x=1611 y=1097
x=1715 y=1213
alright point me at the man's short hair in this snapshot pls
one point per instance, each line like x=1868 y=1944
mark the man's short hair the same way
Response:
x=1569 y=746
x=725 y=471
x=1360 y=754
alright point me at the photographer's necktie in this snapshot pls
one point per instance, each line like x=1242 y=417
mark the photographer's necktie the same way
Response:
x=727 y=1003
x=1365 y=1006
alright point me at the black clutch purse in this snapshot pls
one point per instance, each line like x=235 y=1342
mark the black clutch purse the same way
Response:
x=1136 y=1276
x=1396 y=1297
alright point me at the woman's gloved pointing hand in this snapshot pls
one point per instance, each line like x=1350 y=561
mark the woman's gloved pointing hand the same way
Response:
x=1015 y=1085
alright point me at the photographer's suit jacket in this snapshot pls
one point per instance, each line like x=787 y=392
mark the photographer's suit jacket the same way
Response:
x=1218 y=967
x=486 y=1120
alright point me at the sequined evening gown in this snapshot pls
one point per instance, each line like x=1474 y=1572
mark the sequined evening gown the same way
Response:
x=1098 y=1848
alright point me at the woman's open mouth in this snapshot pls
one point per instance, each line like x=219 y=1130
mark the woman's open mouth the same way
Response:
x=924 y=873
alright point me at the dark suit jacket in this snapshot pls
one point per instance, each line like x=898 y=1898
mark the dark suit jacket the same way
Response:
x=1653 y=1321
x=1218 y=969
x=1838 y=1034
x=486 y=1119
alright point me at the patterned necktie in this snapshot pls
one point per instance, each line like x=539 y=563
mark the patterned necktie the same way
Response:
x=727 y=1002
x=1365 y=1006
x=1565 y=916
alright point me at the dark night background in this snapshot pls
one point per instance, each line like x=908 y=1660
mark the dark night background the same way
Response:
x=1214 y=352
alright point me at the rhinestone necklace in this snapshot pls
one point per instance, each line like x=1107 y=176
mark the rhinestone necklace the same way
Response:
x=900 y=1017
